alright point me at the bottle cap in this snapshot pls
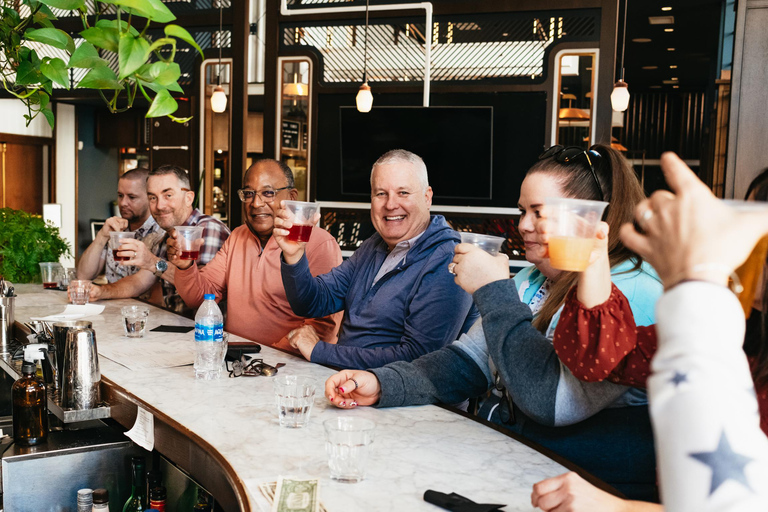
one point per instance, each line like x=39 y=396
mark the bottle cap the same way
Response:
x=28 y=367
x=209 y=296
x=157 y=493
x=100 y=496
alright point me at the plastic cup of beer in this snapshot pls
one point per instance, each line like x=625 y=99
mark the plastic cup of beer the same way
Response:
x=190 y=240
x=573 y=228
x=752 y=269
x=489 y=243
x=50 y=272
x=79 y=291
x=303 y=219
x=115 y=239
x=347 y=443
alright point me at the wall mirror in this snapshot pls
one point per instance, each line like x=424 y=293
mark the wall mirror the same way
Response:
x=575 y=93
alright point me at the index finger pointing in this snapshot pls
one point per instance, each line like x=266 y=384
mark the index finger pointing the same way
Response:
x=678 y=175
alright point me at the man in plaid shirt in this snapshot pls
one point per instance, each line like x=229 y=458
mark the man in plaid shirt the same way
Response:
x=170 y=201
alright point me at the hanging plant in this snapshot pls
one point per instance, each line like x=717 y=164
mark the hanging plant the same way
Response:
x=143 y=67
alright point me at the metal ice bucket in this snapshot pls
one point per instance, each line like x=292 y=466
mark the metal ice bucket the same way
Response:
x=7 y=306
x=81 y=377
x=60 y=330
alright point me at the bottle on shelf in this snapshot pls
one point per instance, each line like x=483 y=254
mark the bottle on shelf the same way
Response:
x=154 y=479
x=84 y=500
x=30 y=407
x=137 y=500
x=157 y=496
x=100 y=500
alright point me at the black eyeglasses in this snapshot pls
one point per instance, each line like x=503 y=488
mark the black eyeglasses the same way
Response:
x=247 y=195
x=570 y=154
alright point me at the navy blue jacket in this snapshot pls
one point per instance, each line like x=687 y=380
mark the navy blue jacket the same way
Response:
x=412 y=310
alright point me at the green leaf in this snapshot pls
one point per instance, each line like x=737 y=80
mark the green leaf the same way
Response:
x=27 y=74
x=44 y=99
x=100 y=77
x=162 y=13
x=181 y=33
x=44 y=16
x=119 y=26
x=48 y=113
x=51 y=36
x=174 y=87
x=56 y=70
x=10 y=17
x=102 y=37
x=86 y=56
x=154 y=10
x=67 y=5
x=159 y=43
x=48 y=86
x=164 y=73
x=132 y=54
x=162 y=105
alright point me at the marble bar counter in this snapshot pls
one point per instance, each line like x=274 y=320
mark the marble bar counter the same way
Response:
x=225 y=433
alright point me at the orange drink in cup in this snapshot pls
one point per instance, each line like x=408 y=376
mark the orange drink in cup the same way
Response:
x=573 y=227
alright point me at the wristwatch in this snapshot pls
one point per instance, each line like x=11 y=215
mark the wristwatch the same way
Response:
x=160 y=267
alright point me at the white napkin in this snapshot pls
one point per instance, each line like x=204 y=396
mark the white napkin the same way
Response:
x=73 y=312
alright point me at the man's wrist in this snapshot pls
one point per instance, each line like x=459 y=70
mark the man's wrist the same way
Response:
x=152 y=265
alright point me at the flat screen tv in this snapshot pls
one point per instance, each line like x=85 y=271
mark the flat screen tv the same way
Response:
x=456 y=144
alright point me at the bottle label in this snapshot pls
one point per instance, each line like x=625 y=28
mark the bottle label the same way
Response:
x=209 y=332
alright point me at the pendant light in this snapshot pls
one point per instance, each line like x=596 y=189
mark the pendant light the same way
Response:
x=364 y=98
x=219 y=97
x=620 y=94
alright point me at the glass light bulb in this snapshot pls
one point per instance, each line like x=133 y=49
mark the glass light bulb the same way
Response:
x=364 y=98
x=218 y=100
x=620 y=96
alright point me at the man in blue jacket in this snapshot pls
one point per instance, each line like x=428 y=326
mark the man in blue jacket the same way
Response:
x=400 y=301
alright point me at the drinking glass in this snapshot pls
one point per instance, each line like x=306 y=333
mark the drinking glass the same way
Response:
x=489 y=243
x=752 y=269
x=303 y=218
x=347 y=442
x=190 y=240
x=135 y=320
x=50 y=273
x=572 y=236
x=79 y=291
x=294 y=396
x=115 y=239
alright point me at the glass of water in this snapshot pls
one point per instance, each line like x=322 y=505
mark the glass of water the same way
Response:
x=347 y=442
x=135 y=320
x=294 y=396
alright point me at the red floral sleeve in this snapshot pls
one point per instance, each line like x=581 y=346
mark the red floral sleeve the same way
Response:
x=603 y=343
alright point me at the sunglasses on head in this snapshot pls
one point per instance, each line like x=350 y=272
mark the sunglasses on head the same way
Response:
x=569 y=154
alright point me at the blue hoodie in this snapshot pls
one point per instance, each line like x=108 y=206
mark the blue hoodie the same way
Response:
x=412 y=310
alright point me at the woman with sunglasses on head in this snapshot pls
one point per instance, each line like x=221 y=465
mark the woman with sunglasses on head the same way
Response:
x=602 y=427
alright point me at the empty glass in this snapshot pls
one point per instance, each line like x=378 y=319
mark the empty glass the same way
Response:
x=79 y=291
x=294 y=396
x=347 y=442
x=135 y=320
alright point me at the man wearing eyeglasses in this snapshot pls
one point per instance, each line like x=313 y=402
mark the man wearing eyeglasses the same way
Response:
x=247 y=268
x=170 y=202
x=399 y=298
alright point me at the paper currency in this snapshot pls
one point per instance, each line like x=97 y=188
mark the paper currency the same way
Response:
x=290 y=495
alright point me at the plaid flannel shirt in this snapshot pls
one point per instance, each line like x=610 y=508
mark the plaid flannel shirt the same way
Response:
x=215 y=233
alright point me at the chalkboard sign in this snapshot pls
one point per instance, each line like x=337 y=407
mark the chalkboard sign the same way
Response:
x=304 y=137
x=290 y=135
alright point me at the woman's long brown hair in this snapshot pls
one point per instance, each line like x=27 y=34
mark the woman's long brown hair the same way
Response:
x=621 y=189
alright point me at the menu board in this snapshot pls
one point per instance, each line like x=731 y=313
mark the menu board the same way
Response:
x=290 y=134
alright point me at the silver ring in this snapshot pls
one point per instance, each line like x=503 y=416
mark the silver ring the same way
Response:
x=645 y=217
x=134 y=254
x=451 y=266
x=356 y=384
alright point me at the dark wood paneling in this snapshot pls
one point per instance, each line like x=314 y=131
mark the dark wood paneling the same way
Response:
x=121 y=130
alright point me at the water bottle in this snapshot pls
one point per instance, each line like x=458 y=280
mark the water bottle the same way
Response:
x=209 y=339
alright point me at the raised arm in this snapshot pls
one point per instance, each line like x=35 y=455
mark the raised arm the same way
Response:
x=93 y=259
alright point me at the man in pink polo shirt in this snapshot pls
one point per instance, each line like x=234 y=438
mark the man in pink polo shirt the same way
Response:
x=246 y=270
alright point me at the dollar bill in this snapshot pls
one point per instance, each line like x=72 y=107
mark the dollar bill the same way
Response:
x=292 y=495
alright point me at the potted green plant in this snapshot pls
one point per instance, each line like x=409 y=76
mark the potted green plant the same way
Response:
x=25 y=241
x=145 y=66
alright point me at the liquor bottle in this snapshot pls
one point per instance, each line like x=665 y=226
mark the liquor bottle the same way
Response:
x=30 y=408
x=157 y=497
x=100 y=500
x=137 y=501
x=154 y=479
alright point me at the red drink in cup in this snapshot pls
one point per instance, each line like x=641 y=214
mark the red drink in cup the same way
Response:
x=119 y=258
x=303 y=216
x=190 y=240
x=50 y=286
x=115 y=239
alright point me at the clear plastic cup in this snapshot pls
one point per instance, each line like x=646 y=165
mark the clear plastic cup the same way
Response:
x=190 y=240
x=573 y=225
x=79 y=291
x=135 y=320
x=294 y=397
x=115 y=239
x=489 y=243
x=347 y=442
x=51 y=274
x=303 y=218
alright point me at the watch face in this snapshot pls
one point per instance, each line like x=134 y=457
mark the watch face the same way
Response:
x=161 y=266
